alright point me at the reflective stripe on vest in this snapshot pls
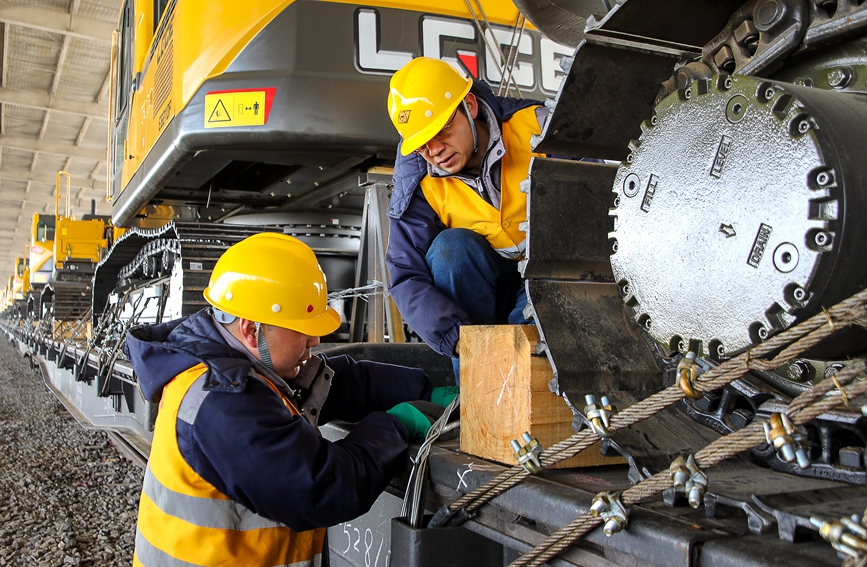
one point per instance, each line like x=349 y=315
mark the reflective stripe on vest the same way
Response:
x=459 y=206
x=146 y=554
x=185 y=521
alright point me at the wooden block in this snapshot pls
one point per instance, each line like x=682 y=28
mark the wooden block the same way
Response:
x=504 y=392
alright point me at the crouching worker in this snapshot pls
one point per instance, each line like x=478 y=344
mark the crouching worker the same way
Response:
x=238 y=473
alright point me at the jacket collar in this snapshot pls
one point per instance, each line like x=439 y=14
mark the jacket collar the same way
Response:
x=160 y=352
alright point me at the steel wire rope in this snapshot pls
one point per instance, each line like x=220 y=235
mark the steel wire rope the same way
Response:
x=500 y=67
x=513 y=55
x=413 y=501
x=373 y=288
x=801 y=410
x=793 y=341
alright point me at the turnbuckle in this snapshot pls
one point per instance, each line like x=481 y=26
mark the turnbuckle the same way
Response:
x=789 y=441
x=846 y=535
x=688 y=478
x=528 y=455
x=608 y=506
x=599 y=415
x=687 y=371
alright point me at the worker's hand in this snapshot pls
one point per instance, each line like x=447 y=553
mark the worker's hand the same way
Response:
x=417 y=417
x=443 y=395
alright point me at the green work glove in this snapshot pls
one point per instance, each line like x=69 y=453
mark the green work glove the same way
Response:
x=417 y=417
x=443 y=395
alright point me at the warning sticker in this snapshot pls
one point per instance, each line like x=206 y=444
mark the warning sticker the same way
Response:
x=237 y=108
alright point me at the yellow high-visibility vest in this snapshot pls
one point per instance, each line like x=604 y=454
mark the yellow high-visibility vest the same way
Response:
x=459 y=206
x=184 y=520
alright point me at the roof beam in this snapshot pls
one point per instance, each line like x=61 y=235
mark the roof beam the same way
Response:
x=44 y=101
x=33 y=161
x=95 y=170
x=56 y=22
x=61 y=59
x=44 y=125
x=103 y=92
x=31 y=145
x=50 y=178
x=82 y=132
x=5 y=44
x=5 y=47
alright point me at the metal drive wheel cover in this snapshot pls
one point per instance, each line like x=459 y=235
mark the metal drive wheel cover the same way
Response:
x=721 y=215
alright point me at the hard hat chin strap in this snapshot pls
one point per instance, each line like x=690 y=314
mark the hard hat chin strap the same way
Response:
x=472 y=126
x=264 y=353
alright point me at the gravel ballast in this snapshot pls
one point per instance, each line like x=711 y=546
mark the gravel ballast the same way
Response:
x=67 y=496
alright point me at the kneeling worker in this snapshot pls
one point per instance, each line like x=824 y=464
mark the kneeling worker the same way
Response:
x=456 y=211
x=238 y=472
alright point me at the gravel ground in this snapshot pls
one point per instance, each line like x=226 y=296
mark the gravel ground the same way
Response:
x=67 y=496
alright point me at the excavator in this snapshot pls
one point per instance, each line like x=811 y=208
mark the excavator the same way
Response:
x=703 y=274
x=41 y=254
x=78 y=246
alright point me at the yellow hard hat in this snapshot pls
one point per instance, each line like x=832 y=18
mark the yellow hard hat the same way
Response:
x=422 y=97
x=273 y=279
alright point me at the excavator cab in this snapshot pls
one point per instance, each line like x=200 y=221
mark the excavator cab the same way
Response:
x=18 y=279
x=41 y=251
x=78 y=248
x=78 y=243
x=7 y=293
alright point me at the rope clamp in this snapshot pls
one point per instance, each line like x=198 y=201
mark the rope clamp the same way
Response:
x=688 y=478
x=599 y=415
x=687 y=371
x=608 y=506
x=528 y=454
x=846 y=535
x=789 y=441
x=446 y=517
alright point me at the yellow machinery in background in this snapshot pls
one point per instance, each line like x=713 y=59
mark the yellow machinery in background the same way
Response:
x=78 y=246
x=20 y=283
x=7 y=298
x=76 y=241
x=41 y=252
x=16 y=288
x=4 y=299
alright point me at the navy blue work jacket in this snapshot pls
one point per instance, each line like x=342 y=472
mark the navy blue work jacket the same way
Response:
x=248 y=444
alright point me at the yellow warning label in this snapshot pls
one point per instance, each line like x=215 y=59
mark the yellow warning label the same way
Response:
x=235 y=109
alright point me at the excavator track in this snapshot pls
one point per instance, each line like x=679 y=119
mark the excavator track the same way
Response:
x=180 y=254
x=618 y=284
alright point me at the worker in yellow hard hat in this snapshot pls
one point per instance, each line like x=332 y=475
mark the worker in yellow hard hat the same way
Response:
x=456 y=209
x=238 y=472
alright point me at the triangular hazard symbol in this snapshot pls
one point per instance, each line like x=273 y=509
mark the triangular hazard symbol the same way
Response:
x=470 y=61
x=220 y=114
